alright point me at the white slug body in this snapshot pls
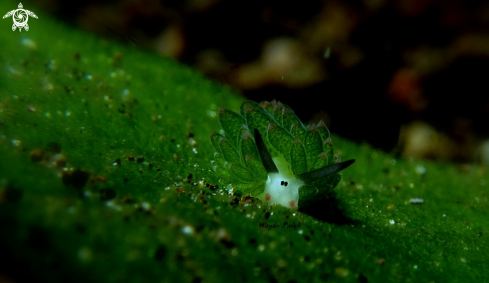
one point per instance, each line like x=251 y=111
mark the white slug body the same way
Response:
x=282 y=187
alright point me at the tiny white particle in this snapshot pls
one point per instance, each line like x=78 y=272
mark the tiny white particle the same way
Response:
x=261 y=248
x=229 y=189
x=392 y=222
x=420 y=169
x=15 y=142
x=28 y=43
x=13 y=71
x=112 y=204
x=125 y=93
x=188 y=230
x=146 y=206
x=88 y=77
x=416 y=201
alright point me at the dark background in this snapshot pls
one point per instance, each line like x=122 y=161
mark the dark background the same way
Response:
x=406 y=76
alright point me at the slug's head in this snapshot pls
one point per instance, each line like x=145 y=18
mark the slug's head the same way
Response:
x=282 y=186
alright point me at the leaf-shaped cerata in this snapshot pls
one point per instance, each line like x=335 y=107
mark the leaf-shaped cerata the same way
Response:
x=266 y=152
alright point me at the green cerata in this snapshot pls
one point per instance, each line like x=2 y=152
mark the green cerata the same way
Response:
x=266 y=152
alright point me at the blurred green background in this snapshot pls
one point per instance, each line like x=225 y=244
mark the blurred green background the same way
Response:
x=405 y=76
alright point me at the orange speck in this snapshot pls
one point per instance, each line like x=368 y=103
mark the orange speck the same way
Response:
x=267 y=197
x=292 y=203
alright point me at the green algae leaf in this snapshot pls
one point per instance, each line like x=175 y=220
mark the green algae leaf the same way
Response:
x=281 y=140
x=232 y=124
x=313 y=147
x=251 y=157
x=298 y=157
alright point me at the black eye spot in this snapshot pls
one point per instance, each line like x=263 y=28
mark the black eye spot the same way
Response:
x=282 y=183
x=286 y=183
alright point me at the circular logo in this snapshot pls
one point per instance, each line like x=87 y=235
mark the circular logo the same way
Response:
x=20 y=17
